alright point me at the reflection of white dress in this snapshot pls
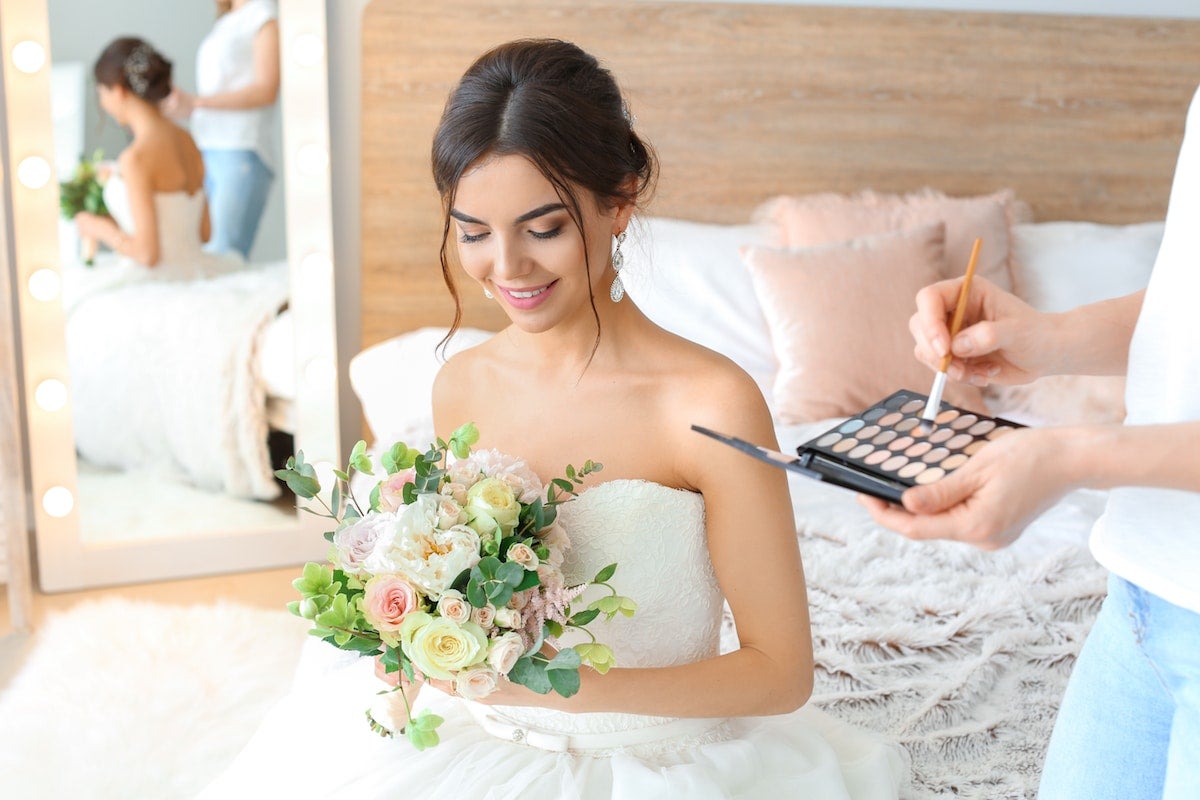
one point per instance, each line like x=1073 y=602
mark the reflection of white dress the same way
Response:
x=316 y=742
x=162 y=358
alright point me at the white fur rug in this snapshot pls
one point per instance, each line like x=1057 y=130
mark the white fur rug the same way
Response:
x=136 y=701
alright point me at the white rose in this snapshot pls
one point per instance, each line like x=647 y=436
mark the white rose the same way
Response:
x=504 y=652
x=354 y=543
x=453 y=606
x=523 y=554
x=476 y=683
x=508 y=618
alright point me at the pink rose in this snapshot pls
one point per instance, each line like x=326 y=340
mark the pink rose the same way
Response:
x=484 y=617
x=387 y=600
x=391 y=490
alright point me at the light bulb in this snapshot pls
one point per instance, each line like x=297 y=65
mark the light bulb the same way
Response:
x=58 y=501
x=28 y=56
x=34 y=172
x=44 y=284
x=51 y=394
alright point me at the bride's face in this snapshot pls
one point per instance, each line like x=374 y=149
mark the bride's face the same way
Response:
x=516 y=238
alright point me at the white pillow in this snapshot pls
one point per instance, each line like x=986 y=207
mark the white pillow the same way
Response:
x=1061 y=265
x=394 y=382
x=689 y=279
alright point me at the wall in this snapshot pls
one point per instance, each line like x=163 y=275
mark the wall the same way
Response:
x=79 y=31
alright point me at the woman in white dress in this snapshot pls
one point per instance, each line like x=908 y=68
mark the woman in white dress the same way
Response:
x=540 y=171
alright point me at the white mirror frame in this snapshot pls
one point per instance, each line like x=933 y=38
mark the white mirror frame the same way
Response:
x=64 y=560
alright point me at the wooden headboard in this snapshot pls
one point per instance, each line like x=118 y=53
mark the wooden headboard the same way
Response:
x=1081 y=116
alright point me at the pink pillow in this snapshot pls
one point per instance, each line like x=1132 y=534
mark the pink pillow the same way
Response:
x=808 y=220
x=838 y=316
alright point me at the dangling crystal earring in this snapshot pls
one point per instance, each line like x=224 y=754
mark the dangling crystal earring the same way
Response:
x=488 y=294
x=617 y=290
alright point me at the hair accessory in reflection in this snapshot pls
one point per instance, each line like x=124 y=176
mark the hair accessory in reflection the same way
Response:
x=625 y=112
x=137 y=64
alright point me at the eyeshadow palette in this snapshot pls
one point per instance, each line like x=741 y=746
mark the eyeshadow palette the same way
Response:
x=886 y=449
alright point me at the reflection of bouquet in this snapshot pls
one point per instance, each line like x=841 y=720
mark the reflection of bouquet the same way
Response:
x=84 y=192
x=453 y=570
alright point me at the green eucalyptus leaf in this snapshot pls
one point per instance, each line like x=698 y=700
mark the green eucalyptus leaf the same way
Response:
x=564 y=681
x=531 y=675
x=605 y=574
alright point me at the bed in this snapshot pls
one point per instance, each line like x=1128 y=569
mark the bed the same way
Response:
x=806 y=136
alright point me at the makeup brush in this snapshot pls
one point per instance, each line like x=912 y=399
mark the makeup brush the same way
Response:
x=939 y=379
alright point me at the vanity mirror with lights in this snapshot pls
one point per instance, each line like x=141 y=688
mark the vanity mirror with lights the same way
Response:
x=98 y=523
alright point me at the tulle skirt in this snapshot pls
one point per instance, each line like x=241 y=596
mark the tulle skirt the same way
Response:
x=316 y=743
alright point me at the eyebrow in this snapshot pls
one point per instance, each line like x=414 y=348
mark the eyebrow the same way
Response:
x=540 y=211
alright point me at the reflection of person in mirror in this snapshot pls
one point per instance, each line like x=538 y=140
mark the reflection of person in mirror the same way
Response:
x=233 y=117
x=540 y=169
x=1129 y=723
x=158 y=217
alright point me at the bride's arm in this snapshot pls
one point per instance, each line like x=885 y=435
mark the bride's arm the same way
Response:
x=141 y=244
x=753 y=546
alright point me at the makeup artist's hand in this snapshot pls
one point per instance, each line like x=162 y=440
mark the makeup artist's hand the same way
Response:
x=989 y=500
x=1003 y=339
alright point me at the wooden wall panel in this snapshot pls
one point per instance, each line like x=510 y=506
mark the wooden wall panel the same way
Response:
x=1081 y=116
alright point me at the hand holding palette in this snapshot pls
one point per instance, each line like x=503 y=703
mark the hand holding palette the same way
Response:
x=886 y=449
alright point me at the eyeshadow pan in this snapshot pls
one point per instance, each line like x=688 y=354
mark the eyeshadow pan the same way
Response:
x=1000 y=430
x=894 y=402
x=912 y=405
x=860 y=451
x=940 y=435
x=962 y=440
x=874 y=414
x=867 y=432
x=909 y=470
x=900 y=444
x=851 y=425
x=828 y=439
x=891 y=419
x=954 y=462
x=974 y=447
x=946 y=416
x=930 y=475
x=894 y=463
x=918 y=449
x=884 y=437
x=907 y=424
x=935 y=455
x=878 y=457
x=981 y=427
x=844 y=445
x=965 y=421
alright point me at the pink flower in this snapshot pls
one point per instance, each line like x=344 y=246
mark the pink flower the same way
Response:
x=391 y=490
x=387 y=600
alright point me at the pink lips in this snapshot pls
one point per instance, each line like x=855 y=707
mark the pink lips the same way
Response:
x=527 y=303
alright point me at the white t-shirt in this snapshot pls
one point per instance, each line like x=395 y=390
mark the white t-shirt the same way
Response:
x=1151 y=537
x=225 y=62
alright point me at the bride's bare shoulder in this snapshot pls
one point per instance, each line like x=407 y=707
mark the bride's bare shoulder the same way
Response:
x=460 y=377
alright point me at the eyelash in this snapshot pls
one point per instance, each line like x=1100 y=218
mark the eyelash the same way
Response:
x=467 y=238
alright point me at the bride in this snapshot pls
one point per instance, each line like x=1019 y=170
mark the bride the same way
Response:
x=540 y=171
x=158 y=217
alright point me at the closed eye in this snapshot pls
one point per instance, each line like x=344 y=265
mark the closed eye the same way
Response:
x=550 y=234
x=468 y=238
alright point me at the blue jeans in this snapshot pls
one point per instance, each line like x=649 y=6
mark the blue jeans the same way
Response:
x=236 y=183
x=1129 y=724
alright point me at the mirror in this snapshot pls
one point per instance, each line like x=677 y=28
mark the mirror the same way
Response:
x=150 y=404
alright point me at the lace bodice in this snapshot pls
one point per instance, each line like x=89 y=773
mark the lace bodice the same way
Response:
x=656 y=536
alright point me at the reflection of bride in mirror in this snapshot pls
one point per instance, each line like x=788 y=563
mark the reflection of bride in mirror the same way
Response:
x=162 y=337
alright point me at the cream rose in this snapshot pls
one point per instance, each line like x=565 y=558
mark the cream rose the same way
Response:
x=484 y=617
x=449 y=514
x=523 y=554
x=491 y=504
x=387 y=600
x=455 y=491
x=439 y=647
x=477 y=682
x=504 y=652
x=453 y=606
x=508 y=618
x=557 y=542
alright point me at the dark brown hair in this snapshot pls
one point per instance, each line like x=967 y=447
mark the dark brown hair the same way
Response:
x=553 y=103
x=132 y=63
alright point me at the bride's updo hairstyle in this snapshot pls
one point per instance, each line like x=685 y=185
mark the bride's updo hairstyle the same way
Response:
x=132 y=63
x=553 y=103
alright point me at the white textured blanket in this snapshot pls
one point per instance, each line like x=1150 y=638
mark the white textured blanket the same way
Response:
x=164 y=376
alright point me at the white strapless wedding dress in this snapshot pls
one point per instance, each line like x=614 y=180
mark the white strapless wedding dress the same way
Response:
x=316 y=744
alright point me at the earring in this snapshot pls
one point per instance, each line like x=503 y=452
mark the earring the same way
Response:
x=617 y=290
x=488 y=294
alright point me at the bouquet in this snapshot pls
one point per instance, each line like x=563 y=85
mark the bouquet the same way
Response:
x=450 y=568
x=84 y=192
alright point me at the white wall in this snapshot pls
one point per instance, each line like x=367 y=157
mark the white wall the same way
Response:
x=1183 y=9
